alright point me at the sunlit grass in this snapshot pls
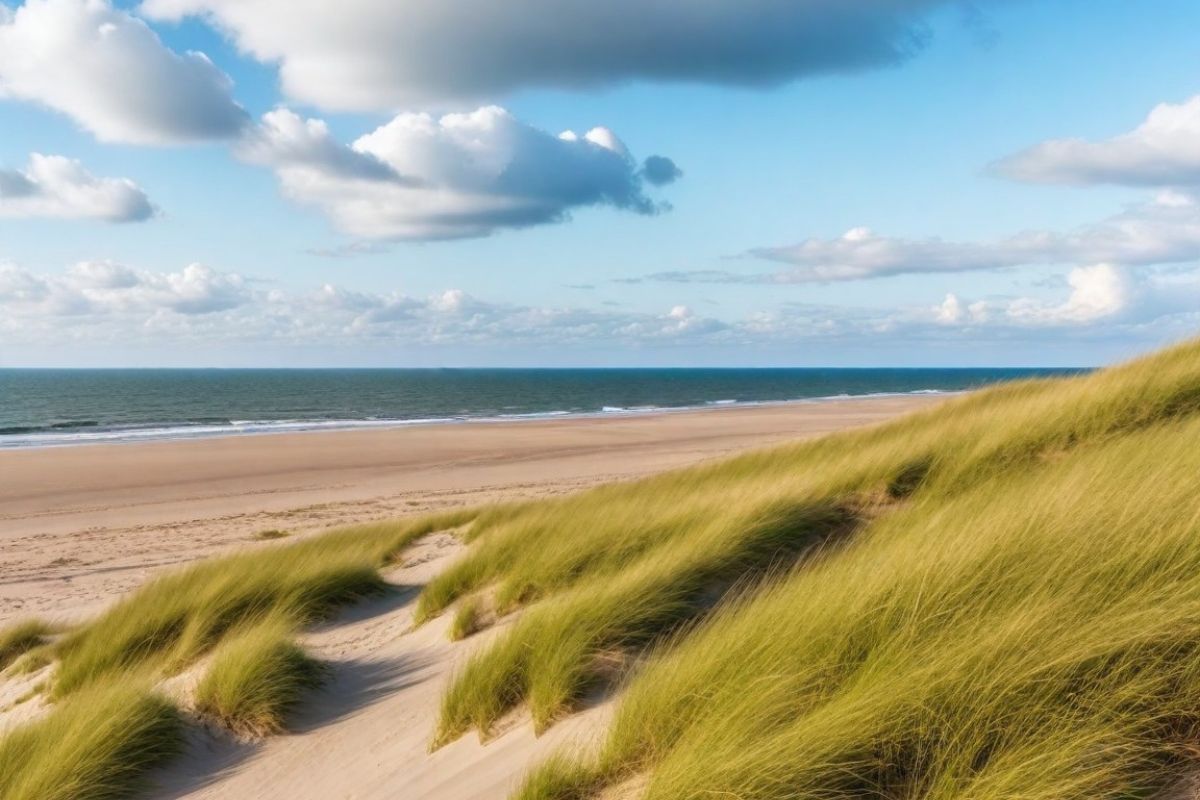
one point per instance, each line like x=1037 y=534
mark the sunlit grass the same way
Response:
x=19 y=638
x=105 y=727
x=1021 y=620
x=256 y=677
x=98 y=747
x=171 y=621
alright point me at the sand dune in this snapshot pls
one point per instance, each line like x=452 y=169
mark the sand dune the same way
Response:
x=366 y=733
x=79 y=526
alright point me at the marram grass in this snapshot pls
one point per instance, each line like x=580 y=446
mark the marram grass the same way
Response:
x=19 y=638
x=106 y=728
x=995 y=598
x=168 y=623
x=98 y=747
x=468 y=618
x=256 y=677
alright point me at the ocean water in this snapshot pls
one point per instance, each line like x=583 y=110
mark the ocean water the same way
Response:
x=40 y=408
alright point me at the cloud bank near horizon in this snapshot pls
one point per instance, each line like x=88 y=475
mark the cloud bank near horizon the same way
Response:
x=1165 y=230
x=108 y=302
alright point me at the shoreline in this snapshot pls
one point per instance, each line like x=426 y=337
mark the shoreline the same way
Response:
x=46 y=438
x=79 y=526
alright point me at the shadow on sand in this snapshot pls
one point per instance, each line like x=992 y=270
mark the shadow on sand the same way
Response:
x=211 y=755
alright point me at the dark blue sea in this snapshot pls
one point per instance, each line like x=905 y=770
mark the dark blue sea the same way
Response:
x=40 y=408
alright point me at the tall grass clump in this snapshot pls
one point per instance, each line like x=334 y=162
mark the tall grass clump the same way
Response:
x=96 y=748
x=256 y=677
x=19 y=638
x=468 y=618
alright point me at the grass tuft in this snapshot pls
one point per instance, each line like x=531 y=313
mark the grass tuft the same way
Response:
x=468 y=618
x=171 y=621
x=19 y=638
x=98 y=747
x=255 y=679
x=268 y=535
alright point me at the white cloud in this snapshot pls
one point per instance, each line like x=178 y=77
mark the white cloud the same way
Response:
x=103 y=289
x=104 y=301
x=1163 y=151
x=457 y=176
x=1100 y=296
x=109 y=72
x=1165 y=231
x=1097 y=292
x=54 y=186
x=384 y=54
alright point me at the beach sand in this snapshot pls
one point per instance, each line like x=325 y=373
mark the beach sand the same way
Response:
x=80 y=525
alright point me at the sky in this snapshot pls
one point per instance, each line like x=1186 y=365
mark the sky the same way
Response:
x=579 y=183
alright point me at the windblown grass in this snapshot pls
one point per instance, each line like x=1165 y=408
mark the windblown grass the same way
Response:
x=171 y=621
x=255 y=679
x=550 y=658
x=995 y=599
x=468 y=618
x=19 y=638
x=1022 y=622
x=105 y=729
x=98 y=747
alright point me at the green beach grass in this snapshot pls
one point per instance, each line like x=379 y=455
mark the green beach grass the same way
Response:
x=994 y=599
x=97 y=747
x=20 y=638
x=106 y=728
x=256 y=678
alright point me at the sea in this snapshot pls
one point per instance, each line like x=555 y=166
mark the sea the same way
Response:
x=52 y=407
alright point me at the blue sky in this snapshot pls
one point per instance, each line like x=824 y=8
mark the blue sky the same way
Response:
x=209 y=238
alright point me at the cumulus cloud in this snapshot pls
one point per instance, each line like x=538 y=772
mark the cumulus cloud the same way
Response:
x=1164 y=231
x=54 y=186
x=1099 y=295
x=380 y=54
x=1163 y=151
x=111 y=73
x=660 y=171
x=457 y=176
x=103 y=289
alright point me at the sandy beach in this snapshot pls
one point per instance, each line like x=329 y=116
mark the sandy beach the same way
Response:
x=80 y=525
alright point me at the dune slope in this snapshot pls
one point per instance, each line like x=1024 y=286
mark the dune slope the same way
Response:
x=995 y=598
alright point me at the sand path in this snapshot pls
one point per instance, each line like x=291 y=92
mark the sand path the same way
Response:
x=366 y=733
